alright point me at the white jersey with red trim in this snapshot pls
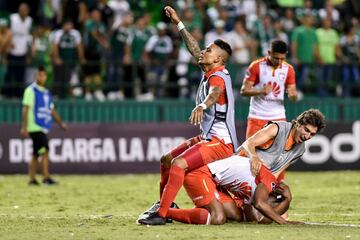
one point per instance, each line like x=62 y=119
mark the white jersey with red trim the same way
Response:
x=233 y=174
x=270 y=106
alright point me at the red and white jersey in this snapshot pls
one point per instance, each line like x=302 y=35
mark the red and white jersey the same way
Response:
x=234 y=175
x=262 y=72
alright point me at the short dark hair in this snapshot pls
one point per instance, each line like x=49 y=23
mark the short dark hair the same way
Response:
x=41 y=68
x=223 y=45
x=279 y=46
x=313 y=117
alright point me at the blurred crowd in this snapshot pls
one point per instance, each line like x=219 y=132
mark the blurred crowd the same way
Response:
x=117 y=49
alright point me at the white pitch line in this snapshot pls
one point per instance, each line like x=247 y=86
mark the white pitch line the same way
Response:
x=333 y=224
x=324 y=214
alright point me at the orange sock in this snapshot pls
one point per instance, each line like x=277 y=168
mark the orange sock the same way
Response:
x=164 y=174
x=176 y=180
x=190 y=216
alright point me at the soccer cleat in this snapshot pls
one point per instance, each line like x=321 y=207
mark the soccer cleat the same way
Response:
x=153 y=219
x=174 y=205
x=33 y=183
x=49 y=181
x=152 y=209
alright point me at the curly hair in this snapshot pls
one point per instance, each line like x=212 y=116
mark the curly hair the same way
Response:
x=313 y=117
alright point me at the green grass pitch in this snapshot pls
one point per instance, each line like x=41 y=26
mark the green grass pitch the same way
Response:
x=106 y=207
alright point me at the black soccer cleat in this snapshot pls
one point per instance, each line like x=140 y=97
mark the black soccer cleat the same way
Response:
x=174 y=205
x=153 y=219
x=152 y=209
x=49 y=181
x=33 y=183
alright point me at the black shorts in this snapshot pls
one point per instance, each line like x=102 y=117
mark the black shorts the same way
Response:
x=40 y=141
x=92 y=66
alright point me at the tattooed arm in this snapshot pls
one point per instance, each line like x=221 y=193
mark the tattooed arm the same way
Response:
x=191 y=44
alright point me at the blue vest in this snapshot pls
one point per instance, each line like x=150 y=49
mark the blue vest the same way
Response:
x=42 y=108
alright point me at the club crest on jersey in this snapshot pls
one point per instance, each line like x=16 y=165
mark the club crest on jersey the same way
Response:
x=282 y=76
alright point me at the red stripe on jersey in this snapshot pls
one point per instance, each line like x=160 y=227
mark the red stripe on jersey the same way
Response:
x=290 y=79
x=253 y=71
x=267 y=178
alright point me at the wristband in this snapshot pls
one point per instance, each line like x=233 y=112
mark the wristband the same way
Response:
x=203 y=105
x=180 y=26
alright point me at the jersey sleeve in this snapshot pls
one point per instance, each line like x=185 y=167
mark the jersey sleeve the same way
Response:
x=252 y=73
x=28 y=98
x=290 y=79
x=267 y=178
x=216 y=81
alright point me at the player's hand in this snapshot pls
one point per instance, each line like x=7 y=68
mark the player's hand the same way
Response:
x=64 y=126
x=284 y=190
x=197 y=115
x=267 y=89
x=171 y=13
x=24 y=132
x=255 y=166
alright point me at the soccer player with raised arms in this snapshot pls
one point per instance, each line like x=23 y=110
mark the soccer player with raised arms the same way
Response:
x=214 y=112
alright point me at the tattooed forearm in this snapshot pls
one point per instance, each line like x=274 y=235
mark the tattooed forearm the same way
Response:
x=191 y=44
x=213 y=96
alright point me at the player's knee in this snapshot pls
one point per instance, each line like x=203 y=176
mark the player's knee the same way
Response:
x=218 y=219
x=165 y=160
x=179 y=162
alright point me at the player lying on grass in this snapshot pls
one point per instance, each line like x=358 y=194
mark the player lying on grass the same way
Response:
x=274 y=147
x=208 y=188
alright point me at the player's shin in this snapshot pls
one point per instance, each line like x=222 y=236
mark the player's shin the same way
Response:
x=190 y=216
x=176 y=180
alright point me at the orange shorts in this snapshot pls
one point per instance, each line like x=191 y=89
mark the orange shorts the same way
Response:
x=206 y=151
x=201 y=187
x=182 y=147
x=254 y=125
